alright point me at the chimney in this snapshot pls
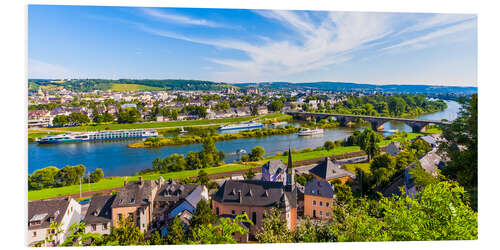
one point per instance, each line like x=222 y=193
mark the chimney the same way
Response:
x=141 y=180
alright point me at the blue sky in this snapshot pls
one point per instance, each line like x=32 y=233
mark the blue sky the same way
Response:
x=251 y=45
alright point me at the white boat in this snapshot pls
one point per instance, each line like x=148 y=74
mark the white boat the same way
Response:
x=247 y=125
x=99 y=135
x=308 y=131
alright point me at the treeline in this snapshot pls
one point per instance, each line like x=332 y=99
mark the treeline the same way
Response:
x=439 y=212
x=405 y=105
x=89 y=85
x=209 y=156
x=51 y=177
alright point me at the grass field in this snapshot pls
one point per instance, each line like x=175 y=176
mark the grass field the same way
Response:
x=133 y=87
x=32 y=135
x=352 y=167
x=115 y=182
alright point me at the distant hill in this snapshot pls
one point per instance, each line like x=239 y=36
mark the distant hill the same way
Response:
x=346 y=86
x=123 y=84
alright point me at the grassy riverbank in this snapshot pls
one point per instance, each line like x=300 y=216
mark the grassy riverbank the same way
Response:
x=115 y=182
x=155 y=124
x=33 y=134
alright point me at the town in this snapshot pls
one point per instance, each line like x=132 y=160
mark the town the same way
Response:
x=256 y=204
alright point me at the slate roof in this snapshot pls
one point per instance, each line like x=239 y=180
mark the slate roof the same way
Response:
x=329 y=170
x=254 y=193
x=173 y=194
x=431 y=161
x=45 y=212
x=134 y=194
x=394 y=148
x=319 y=188
x=275 y=165
x=99 y=210
x=429 y=139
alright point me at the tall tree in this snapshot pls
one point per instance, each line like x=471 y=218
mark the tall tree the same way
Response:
x=368 y=140
x=274 y=228
x=460 y=145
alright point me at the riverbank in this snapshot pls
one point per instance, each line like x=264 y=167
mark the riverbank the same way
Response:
x=116 y=182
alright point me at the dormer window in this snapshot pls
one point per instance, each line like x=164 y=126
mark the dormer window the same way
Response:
x=132 y=200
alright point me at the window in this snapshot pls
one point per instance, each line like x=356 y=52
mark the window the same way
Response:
x=233 y=212
x=120 y=216
x=327 y=204
x=254 y=218
x=94 y=227
x=105 y=226
x=314 y=213
x=72 y=209
x=320 y=203
x=327 y=214
x=314 y=203
x=131 y=215
x=320 y=213
x=217 y=211
x=34 y=233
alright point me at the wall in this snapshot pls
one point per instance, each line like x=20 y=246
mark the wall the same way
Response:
x=309 y=207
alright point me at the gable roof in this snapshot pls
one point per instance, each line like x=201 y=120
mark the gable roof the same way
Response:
x=274 y=165
x=319 y=188
x=135 y=194
x=329 y=170
x=99 y=210
x=46 y=212
x=254 y=193
x=429 y=139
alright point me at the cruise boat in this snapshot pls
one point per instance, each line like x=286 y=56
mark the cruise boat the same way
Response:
x=98 y=135
x=308 y=131
x=246 y=125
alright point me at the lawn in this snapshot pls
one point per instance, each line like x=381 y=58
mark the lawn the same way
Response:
x=156 y=124
x=32 y=135
x=352 y=167
x=115 y=182
x=133 y=87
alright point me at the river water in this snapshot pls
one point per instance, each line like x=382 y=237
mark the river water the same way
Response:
x=116 y=159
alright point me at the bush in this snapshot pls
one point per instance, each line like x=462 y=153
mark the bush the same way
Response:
x=305 y=150
x=257 y=153
x=329 y=145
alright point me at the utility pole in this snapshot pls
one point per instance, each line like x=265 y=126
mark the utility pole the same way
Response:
x=88 y=177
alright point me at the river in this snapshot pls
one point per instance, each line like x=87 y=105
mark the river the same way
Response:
x=116 y=159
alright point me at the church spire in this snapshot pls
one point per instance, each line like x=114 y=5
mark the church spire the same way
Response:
x=289 y=172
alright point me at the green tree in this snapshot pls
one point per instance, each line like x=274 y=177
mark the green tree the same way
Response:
x=125 y=234
x=78 y=237
x=460 y=145
x=383 y=168
x=274 y=228
x=42 y=178
x=97 y=175
x=157 y=239
x=202 y=215
x=439 y=212
x=249 y=174
x=60 y=120
x=329 y=145
x=276 y=105
x=203 y=177
x=176 y=232
x=368 y=140
x=79 y=118
x=256 y=154
x=221 y=232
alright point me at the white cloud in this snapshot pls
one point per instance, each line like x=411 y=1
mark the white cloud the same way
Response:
x=39 y=69
x=333 y=40
x=423 y=40
x=169 y=17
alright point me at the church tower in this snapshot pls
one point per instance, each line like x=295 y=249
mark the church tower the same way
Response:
x=289 y=173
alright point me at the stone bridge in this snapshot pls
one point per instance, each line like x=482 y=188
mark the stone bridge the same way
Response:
x=377 y=122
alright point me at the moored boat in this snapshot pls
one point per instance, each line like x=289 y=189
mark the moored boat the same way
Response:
x=246 y=125
x=98 y=135
x=308 y=131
